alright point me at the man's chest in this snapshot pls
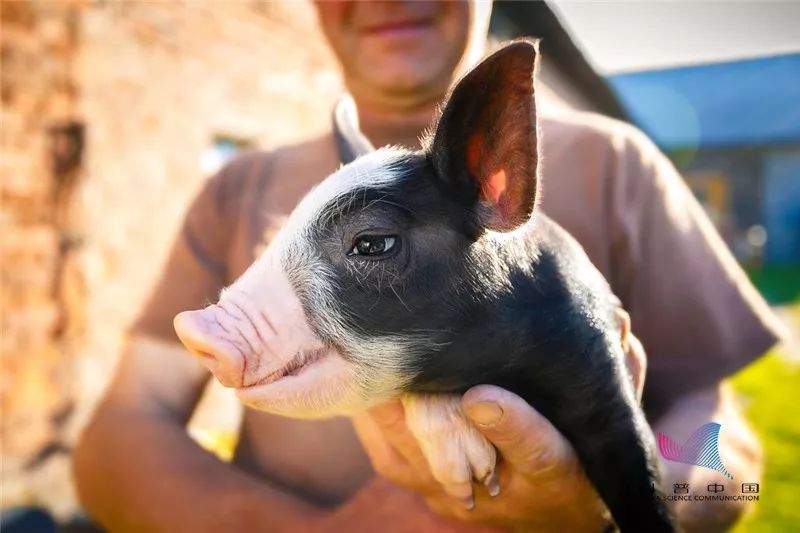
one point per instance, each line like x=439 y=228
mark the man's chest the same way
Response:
x=267 y=206
x=322 y=460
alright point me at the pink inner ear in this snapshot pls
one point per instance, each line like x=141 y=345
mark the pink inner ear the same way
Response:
x=493 y=187
x=495 y=191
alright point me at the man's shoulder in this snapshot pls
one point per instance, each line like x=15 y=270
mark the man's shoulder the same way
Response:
x=254 y=162
x=257 y=168
x=567 y=126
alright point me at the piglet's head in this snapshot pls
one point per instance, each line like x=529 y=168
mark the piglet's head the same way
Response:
x=380 y=267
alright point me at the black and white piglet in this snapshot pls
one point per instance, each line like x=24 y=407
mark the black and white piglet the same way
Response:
x=423 y=273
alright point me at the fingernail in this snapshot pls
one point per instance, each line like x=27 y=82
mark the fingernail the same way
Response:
x=469 y=503
x=485 y=413
x=492 y=484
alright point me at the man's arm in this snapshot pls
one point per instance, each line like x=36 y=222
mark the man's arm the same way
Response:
x=739 y=448
x=136 y=468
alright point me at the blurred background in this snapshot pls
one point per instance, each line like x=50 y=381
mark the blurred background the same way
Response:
x=113 y=113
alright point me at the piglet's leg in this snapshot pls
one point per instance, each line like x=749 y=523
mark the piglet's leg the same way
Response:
x=456 y=452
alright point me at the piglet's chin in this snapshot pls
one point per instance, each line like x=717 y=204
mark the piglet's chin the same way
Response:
x=323 y=388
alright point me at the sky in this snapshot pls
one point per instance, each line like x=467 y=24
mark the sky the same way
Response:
x=647 y=34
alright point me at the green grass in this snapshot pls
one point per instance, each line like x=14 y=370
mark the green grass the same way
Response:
x=769 y=389
x=778 y=283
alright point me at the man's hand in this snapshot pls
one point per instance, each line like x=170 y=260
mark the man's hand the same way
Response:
x=542 y=484
x=541 y=481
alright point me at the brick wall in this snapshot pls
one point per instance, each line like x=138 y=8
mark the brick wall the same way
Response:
x=40 y=285
x=107 y=111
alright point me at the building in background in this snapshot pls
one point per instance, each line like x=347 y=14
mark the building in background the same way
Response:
x=733 y=130
x=564 y=73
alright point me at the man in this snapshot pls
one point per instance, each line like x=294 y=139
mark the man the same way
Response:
x=692 y=307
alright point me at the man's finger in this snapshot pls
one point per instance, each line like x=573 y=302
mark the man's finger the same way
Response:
x=386 y=461
x=384 y=457
x=636 y=361
x=523 y=437
x=390 y=418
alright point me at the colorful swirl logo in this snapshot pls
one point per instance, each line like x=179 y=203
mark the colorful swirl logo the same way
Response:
x=701 y=449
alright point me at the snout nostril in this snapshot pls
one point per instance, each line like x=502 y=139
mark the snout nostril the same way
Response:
x=211 y=362
x=187 y=329
x=191 y=335
x=199 y=351
x=203 y=354
x=196 y=332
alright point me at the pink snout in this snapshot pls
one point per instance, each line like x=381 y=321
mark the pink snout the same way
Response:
x=197 y=331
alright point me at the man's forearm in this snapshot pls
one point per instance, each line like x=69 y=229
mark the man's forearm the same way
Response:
x=142 y=472
x=739 y=448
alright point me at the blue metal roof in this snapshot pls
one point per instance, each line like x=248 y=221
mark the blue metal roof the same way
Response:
x=741 y=103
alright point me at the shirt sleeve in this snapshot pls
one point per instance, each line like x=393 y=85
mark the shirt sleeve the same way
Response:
x=694 y=309
x=196 y=267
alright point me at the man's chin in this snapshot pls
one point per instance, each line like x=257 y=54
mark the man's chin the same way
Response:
x=408 y=82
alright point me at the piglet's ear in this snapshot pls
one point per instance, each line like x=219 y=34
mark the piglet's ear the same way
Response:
x=484 y=145
x=350 y=142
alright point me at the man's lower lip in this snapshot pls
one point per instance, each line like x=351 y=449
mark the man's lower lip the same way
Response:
x=398 y=30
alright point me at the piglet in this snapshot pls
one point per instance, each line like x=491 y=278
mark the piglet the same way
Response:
x=422 y=273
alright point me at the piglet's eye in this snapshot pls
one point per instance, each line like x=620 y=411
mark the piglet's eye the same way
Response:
x=373 y=245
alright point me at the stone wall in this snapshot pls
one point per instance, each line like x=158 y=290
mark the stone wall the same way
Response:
x=42 y=300
x=109 y=112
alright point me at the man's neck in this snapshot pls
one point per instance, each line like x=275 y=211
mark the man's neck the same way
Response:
x=397 y=127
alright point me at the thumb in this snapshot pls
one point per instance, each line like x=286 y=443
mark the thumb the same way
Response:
x=524 y=437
